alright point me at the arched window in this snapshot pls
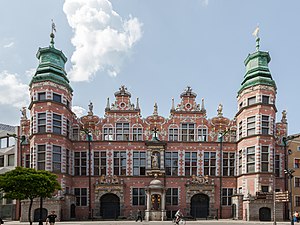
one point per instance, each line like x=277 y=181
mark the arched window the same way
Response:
x=202 y=133
x=173 y=132
x=108 y=134
x=137 y=132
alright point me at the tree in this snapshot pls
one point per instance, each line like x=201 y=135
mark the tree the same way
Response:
x=27 y=183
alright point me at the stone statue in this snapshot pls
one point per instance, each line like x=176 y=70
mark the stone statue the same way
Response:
x=283 y=119
x=23 y=111
x=154 y=161
x=220 y=110
x=91 y=108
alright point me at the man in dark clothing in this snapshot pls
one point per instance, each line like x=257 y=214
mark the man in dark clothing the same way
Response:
x=139 y=216
x=51 y=218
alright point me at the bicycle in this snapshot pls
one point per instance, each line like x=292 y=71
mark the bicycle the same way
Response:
x=180 y=222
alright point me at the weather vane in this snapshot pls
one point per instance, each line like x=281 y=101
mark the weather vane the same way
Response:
x=53 y=26
x=256 y=35
x=53 y=29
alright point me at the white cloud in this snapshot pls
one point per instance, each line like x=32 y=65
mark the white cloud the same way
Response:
x=12 y=91
x=79 y=111
x=8 y=45
x=29 y=73
x=102 y=38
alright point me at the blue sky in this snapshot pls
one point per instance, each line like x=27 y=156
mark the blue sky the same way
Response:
x=155 y=48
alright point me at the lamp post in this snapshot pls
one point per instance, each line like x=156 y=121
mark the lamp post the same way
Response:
x=89 y=139
x=289 y=172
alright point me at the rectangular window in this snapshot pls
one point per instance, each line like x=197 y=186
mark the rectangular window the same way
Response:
x=202 y=134
x=173 y=134
x=75 y=134
x=108 y=134
x=240 y=162
x=41 y=157
x=11 y=160
x=210 y=163
x=297 y=201
x=56 y=154
x=27 y=161
x=251 y=125
x=119 y=163
x=251 y=159
x=99 y=163
x=56 y=97
x=297 y=181
x=139 y=163
x=240 y=129
x=68 y=128
x=277 y=165
x=265 y=99
x=265 y=159
x=68 y=156
x=137 y=133
x=41 y=123
x=4 y=142
x=42 y=96
x=251 y=100
x=190 y=163
x=228 y=163
x=81 y=196
x=80 y=161
x=264 y=188
x=171 y=163
x=265 y=125
x=122 y=131
x=227 y=196
x=297 y=163
x=138 y=196
x=188 y=132
x=172 y=196
x=57 y=123
x=1 y=160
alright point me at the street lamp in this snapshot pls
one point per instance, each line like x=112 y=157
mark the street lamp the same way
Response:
x=89 y=139
x=289 y=172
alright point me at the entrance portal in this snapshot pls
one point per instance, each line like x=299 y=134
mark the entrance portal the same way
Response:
x=200 y=206
x=265 y=214
x=109 y=206
x=36 y=216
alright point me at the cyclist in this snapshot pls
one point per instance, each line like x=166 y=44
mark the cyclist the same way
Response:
x=178 y=216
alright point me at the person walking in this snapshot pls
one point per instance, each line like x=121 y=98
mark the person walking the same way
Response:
x=51 y=218
x=139 y=216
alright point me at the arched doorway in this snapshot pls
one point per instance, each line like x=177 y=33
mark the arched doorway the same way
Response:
x=73 y=211
x=200 y=206
x=265 y=214
x=36 y=216
x=109 y=206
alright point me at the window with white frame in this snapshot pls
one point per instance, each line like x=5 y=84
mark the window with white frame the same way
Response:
x=188 y=132
x=41 y=157
x=122 y=131
x=265 y=188
x=210 y=163
x=108 y=134
x=250 y=125
x=7 y=142
x=139 y=163
x=119 y=163
x=81 y=196
x=251 y=159
x=56 y=97
x=80 y=163
x=171 y=166
x=41 y=96
x=228 y=163
x=240 y=129
x=99 y=163
x=56 y=123
x=138 y=196
x=137 y=133
x=252 y=100
x=68 y=157
x=172 y=196
x=266 y=99
x=190 y=164
x=41 y=122
x=297 y=181
x=173 y=133
x=265 y=124
x=10 y=160
x=75 y=134
x=227 y=196
x=265 y=158
x=240 y=162
x=56 y=160
x=202 y=133
x=68 y=128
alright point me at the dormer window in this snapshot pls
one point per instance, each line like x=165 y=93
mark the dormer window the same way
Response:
x=122 y=131
x=188 y=132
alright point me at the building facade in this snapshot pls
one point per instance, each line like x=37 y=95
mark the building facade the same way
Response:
x=112 y=166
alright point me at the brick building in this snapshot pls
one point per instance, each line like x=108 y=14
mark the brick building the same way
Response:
x=112 y=166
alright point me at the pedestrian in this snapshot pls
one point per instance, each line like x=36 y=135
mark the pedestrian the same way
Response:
x=296 y=217
x=51 y=218
x=139 y=216
x=1 y=221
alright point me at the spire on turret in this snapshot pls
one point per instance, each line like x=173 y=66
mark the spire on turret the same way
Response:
x=52 y=36
x=256 y=35
x=137 y=104
x=202 y=105
x=173 y=105
x=107 y=105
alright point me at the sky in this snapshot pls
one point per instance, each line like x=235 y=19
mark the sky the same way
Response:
x=155 y=48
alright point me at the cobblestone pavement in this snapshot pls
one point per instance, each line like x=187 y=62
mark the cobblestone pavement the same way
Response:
x=198 y=222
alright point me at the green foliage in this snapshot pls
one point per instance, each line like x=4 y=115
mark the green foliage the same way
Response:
x=27 y=183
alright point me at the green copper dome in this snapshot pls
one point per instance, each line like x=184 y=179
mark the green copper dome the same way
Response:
x=257 y=70
x=51 y=66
